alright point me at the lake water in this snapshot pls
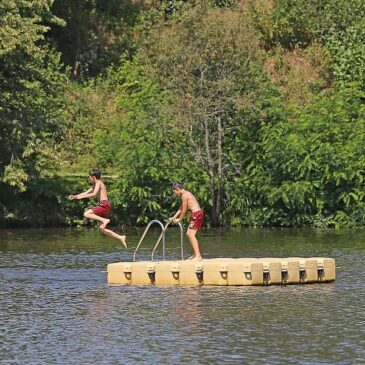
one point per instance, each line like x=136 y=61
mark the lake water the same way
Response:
x=56 y=308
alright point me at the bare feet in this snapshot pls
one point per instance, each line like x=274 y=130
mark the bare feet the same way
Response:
x=123 y=239
x=105 y=223
x=195 y=258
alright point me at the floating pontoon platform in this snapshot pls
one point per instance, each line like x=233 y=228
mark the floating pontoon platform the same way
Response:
x=219 y=271
x=224 y=271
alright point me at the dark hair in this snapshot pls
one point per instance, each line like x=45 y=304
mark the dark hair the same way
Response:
x=96 y=173
x=177 y=185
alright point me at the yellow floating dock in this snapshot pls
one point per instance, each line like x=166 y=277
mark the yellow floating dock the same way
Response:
x=219 y=271
x=224 y=271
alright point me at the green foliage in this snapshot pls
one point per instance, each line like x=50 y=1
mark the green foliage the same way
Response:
x=44 y=203
x=224 y=3
x=139 y=145
x=30 y=115
x=305 y=175
x=31 y=97
x=297 y=23
x=170 y=7
x=30 y=100
x=88 y=110
x=347 y=49
x=95 y=34
x=257 y=107
x=20 y=26
x=212 y=72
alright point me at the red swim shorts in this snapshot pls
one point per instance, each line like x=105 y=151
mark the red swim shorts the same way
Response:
x=196 y=220
x=103 y=209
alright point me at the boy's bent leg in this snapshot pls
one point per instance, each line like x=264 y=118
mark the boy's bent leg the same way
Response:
x=110 y=233
x=89 y=214
x=194 y=243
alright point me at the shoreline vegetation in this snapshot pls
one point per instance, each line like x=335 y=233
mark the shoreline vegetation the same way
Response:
x=257 y=106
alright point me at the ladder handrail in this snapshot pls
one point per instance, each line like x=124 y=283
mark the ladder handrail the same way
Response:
x=144 y=234
x=163 y=234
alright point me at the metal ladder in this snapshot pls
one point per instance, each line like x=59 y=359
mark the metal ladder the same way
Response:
x=161 y=237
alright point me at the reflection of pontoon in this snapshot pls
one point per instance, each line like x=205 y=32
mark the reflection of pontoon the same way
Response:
x=219 y=271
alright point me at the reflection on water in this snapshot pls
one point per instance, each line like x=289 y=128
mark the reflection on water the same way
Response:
x=55 y=306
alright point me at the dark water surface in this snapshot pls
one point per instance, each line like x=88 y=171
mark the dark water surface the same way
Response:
x=56 y=308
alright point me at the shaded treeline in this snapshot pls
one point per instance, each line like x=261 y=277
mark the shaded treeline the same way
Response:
x=256 y=106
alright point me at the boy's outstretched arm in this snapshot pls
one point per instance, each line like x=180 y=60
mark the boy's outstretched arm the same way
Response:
x=92 y=192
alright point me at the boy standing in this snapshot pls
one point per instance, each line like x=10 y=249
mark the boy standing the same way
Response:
x=102 y=211
x=189 y=202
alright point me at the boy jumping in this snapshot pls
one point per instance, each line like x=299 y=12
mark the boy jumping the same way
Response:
x=102 y=211
x=189 y=202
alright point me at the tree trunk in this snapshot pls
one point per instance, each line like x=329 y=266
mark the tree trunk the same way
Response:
x=75 y=71
x=220 y=168
x=214 y=217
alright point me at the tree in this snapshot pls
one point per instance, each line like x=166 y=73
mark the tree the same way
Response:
x=212 y=70
x=31 y=94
